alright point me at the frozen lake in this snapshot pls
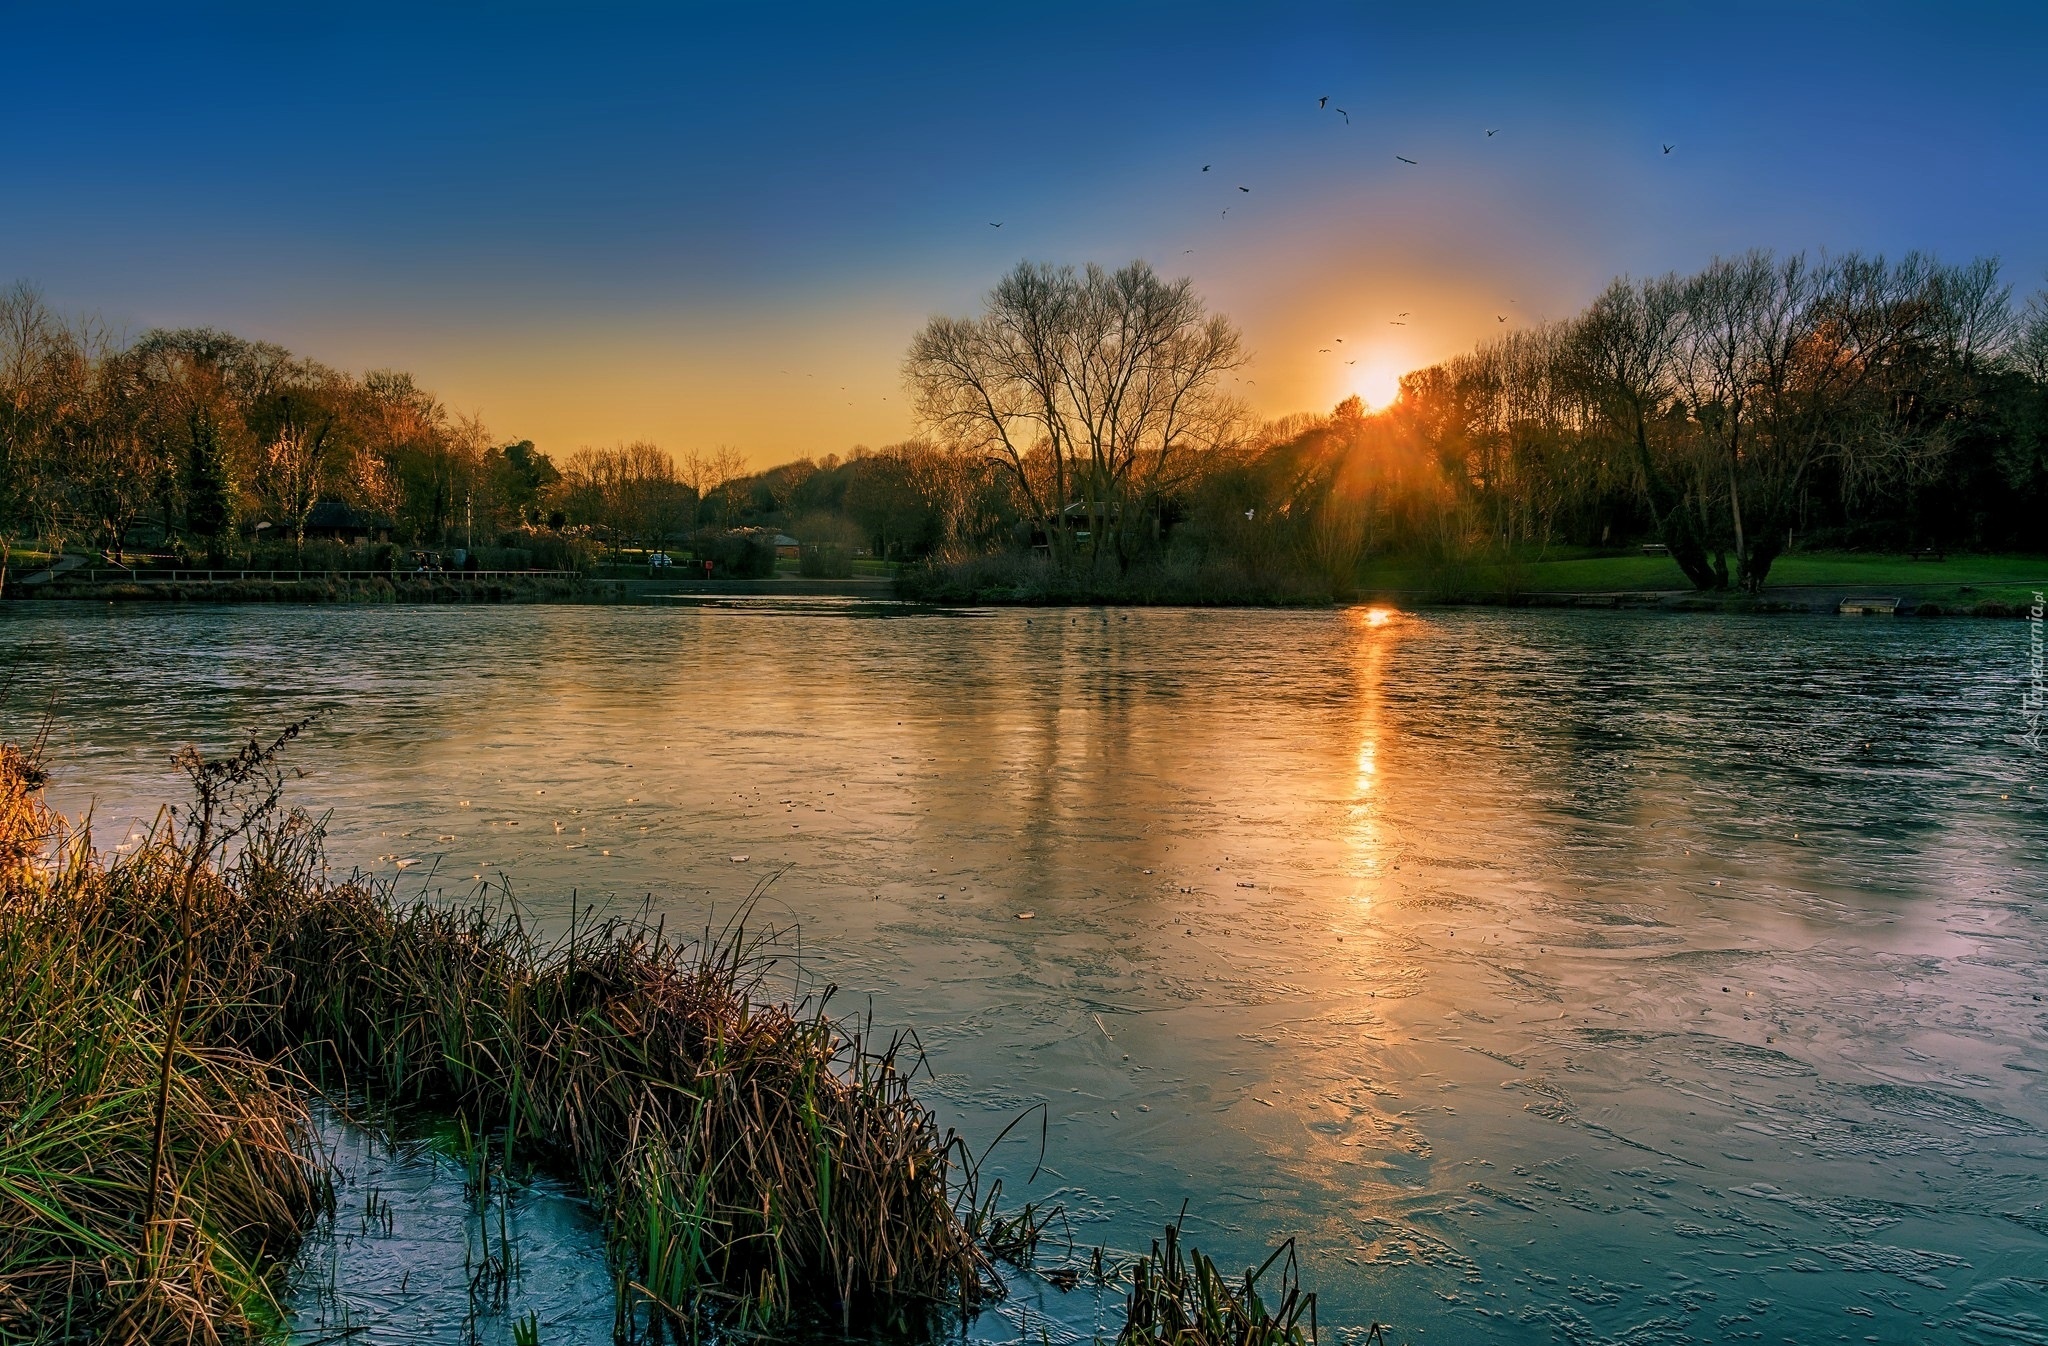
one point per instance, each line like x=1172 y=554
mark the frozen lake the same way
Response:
x=1585 y=977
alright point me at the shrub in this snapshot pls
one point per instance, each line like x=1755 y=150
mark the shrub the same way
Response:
x=826 y=561
x=736 y=555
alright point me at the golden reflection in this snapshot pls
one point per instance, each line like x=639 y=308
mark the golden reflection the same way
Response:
x=1377 y=628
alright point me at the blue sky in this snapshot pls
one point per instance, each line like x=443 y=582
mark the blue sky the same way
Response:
x=720 y=224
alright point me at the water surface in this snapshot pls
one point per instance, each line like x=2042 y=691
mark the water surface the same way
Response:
x=1588 y=977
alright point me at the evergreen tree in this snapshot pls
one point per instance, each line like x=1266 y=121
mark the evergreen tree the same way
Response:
x=209 y=485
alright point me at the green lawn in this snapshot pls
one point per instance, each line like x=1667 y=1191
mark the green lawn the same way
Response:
x=1633 y=573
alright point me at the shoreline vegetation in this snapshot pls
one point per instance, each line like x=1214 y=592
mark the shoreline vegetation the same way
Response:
x=170 y=1011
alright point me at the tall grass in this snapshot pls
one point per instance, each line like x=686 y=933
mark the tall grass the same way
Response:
x=757 y=1163
x=82 y=1037
x=1179 y=1298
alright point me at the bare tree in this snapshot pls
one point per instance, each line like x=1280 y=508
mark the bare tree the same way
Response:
x=1624 y=350
x=300 y=425
x=713 y=477
x=631 y=493
x=2030 y=339
x=30 y=342
x=654 y=498
x=1106 y=377
x=1972 y=313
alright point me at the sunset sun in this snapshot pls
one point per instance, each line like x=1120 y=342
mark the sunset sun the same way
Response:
x=1377 y=380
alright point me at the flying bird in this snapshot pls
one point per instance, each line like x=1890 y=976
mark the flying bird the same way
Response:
x=1322 y=350
x=1404 y=159
x=1244 y=189
x=1351 y=362
x=1345 y=115
x=995 y=224
x=1338 y=340
x=1500 y=317
x=1324 y=101
x=1490 y=134
x=1391 y=323
x=1205 y=168
x=1402 y=314
x=1669 y=148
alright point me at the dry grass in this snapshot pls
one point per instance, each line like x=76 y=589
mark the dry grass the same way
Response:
x=758 y=1163
x=81 y=1041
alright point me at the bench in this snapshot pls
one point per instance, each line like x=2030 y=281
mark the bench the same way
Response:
x=1656 y=549
x=1928 y=554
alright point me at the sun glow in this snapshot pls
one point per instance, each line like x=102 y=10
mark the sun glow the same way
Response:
x=1377 y=379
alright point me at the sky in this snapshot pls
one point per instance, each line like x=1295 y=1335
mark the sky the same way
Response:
x=719 y=225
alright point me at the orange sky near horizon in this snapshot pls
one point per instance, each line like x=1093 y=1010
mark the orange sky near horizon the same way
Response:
x=1323 y=319
x=1392 y=269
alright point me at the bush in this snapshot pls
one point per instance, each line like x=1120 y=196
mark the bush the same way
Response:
x=552 y=551
x=828 y=561
x=736 y=555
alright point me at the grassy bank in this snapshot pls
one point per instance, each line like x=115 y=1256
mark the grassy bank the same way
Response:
x=1987 y=586
x=756 y=1163
x=1959 y=584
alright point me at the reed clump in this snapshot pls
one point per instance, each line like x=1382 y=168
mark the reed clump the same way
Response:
x=82 y=1033
x=758 y=1163
x=1179 y=1298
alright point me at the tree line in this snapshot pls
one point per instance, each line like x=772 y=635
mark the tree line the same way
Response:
x=199 y=442
x=190 y=438
x=1080 y=418
x=1731 y=414
x=1848 y=400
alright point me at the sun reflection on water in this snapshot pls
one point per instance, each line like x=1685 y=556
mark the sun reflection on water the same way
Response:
x=1367 y=862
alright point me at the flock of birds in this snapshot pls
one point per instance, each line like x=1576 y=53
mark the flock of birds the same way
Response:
x=1399 y=320
x=1323 y=104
